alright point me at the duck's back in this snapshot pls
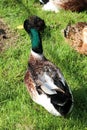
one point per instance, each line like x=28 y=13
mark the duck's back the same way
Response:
x=76 y=34
x=48 y=82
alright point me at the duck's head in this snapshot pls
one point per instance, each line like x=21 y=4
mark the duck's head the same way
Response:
x=69 y=31
x=34 y=22
x=33 y=26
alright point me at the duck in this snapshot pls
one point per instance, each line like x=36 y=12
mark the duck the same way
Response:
x=57 y=5
x=44 y=81
x=76 y=36
x=43 y=1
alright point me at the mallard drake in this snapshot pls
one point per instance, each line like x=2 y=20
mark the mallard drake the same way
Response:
x=56 y=5
x=76 y=35
x=44 y=81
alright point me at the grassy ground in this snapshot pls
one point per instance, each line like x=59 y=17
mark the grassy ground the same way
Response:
x=17 y=111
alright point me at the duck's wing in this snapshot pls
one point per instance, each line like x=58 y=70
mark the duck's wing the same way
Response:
x=45 y=83
x=51 y=82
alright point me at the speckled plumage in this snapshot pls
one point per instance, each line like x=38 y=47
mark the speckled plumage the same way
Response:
x=73 y=5
x=45 y=82
x=76 y=35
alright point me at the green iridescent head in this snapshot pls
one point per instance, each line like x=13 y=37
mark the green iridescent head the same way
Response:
x=34 y=25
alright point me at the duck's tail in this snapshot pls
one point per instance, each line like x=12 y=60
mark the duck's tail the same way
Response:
x=62 y=103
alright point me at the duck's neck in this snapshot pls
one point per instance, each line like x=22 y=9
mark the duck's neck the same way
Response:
x=36 y=41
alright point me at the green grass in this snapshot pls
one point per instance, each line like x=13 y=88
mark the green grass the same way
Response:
x=17 y=111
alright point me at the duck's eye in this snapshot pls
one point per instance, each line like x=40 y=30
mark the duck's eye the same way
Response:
x=66 y=32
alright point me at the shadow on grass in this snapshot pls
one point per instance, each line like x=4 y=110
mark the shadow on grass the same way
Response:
x=80 y=103
x=76 y=69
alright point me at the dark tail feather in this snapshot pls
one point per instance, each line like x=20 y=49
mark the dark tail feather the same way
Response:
x=62 y=102
x=75 y=5
x=66 y=108
x=60 y=98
